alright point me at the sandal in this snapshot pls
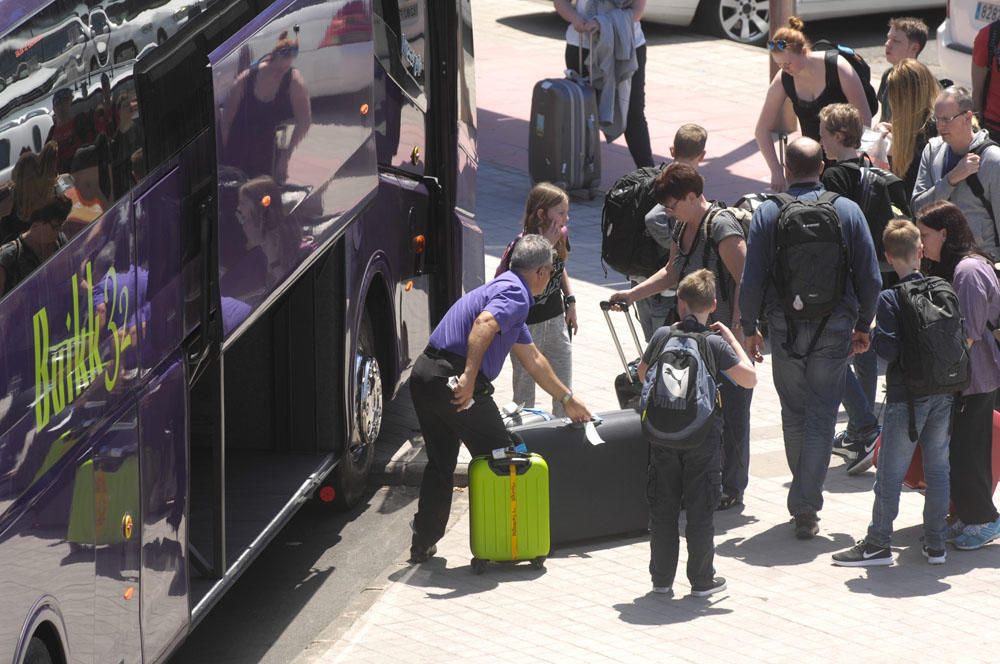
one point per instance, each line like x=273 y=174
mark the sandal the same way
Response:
x=728 y=501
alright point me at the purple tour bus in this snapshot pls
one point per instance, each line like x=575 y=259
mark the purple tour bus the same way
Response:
x=271 y=207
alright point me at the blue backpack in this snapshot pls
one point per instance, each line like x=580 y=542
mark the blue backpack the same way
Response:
x=680 y=393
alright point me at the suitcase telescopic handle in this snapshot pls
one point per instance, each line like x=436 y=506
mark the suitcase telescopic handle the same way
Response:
x=607 y=307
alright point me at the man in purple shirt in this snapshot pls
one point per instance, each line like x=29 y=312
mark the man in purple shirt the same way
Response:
x=471 y=343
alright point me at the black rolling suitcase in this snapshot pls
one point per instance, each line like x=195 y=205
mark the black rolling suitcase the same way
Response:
x=564 y=143
x=594 y=490
x=628 y=385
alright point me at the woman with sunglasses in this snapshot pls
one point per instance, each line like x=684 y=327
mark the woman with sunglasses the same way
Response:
x=269 y=94
x=951 y=252
x=911 y=90
x=811 y=80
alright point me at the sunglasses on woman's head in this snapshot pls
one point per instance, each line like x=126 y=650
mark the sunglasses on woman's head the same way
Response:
x=777 y=45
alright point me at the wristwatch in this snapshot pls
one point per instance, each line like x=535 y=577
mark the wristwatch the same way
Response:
x=566 y=397
x=570 y=299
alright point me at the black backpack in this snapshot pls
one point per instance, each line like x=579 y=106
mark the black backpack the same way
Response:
x=810 y=262
x=933 y=356
x=881 y=195
x=858 y=64
x=626 y=245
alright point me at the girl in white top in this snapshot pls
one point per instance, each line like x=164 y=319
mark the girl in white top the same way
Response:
x=636 y=129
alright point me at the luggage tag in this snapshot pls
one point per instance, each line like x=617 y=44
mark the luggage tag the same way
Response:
x=505 y=452
x=589 y=429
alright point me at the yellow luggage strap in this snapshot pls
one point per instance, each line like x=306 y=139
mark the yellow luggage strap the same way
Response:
x=513 y=511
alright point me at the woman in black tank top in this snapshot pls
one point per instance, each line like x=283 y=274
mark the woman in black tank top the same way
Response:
x=802 y=73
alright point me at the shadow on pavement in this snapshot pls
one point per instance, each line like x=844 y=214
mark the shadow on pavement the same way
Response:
x=655 y=609
x=539 y=24
x=777 y=546
x=276 y=589
x=586 y=548
x=733 y=518
x=460 y=581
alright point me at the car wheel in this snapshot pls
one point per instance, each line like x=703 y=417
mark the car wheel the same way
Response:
x=351 y=474
x=161 y=37
x=37 y=653
x=744 y=21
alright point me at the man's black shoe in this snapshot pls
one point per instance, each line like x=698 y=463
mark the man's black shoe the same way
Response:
x=806 y=525
x=421 y=555
x=863 y=554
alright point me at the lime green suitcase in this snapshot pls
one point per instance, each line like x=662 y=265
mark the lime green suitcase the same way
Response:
x=509 y=510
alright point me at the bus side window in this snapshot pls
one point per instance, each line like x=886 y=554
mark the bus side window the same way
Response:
x=400 y=45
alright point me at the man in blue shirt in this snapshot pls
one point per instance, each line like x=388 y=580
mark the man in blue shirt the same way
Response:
x=470 y=344
x=811 y=358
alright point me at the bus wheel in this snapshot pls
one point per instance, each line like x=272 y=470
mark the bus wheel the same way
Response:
x=351 y=479
x=38 y=652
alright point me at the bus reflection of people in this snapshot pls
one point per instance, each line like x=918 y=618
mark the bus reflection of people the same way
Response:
x=89 y=202
x=63 y=130
x=265 y=99
x=27 y=251
x=260 y=214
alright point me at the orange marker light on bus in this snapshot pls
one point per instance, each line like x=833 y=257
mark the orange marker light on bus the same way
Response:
x=266 y=201
x=364 y=109
x=129 y=593
x=419 y=242
x=409 y=286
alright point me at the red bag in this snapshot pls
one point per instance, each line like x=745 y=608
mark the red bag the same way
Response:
x=914 y=478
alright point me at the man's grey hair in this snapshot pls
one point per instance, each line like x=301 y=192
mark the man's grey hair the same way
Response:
x=961 y=95
x=530 y=253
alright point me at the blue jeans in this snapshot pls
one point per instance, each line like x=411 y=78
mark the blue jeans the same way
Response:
x=859 y=396
x=810 y=391
x=933 y=419
x=653 y=312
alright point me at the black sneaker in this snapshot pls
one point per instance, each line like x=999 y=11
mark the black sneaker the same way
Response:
x=718 y=585
x=421 y=555
x=935 y=556
x=864 y=454
x=806 y=525
x=863 y=554
x=842 y=445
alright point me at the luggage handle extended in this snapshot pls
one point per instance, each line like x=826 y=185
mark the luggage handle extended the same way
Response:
x=605 y=308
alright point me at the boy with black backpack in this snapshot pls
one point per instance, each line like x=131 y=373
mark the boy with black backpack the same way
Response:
x=882 y=197
x=811 y=270
x=682 y=366
x=919 y=331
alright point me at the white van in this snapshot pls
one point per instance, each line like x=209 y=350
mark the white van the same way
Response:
x=28 y=131
x=955 y=36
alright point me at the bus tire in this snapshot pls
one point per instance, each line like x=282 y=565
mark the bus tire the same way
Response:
x=38 y=652
x=351 y=474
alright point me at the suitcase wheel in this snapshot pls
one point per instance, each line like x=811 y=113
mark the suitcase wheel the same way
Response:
x=478 y=566
x=538 y=563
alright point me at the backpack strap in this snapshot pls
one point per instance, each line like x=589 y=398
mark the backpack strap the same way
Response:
x=976 y=185
x=832 y=75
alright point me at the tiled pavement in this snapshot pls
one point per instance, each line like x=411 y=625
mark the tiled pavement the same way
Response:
x=785 y=601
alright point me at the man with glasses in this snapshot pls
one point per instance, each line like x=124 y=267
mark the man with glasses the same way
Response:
x=451 y=384
x=962 y=165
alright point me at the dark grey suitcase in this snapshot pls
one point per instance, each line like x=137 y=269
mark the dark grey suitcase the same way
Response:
x=594 y=490
x=564 y=143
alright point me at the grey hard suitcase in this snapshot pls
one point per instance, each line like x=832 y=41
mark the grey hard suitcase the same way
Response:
x=594 y=490
x=564 y=143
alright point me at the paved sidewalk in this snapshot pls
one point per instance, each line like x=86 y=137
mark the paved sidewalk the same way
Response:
x=785 y=601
